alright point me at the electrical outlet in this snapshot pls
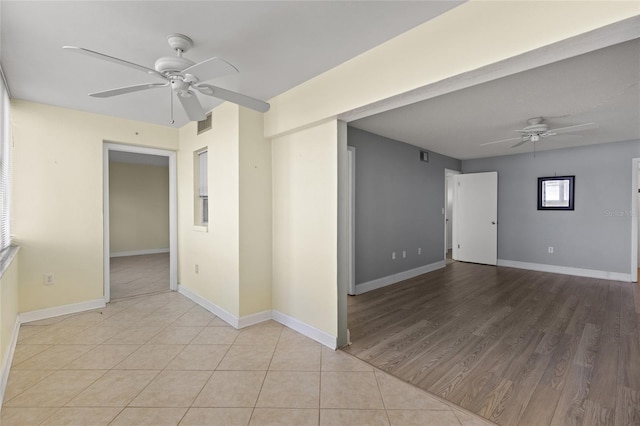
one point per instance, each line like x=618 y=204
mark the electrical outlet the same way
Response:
x=550 y=250
x=404 y=254
x=419 y=250
x=393 y=255
x=197 y=268
x=49 y=278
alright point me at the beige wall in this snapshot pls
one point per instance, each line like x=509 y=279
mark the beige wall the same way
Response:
x=57 y=201
x=305 y=197
x=215 y=251
x=255 y=215
x=233 y=252
x=8 y=307
x=138 y=207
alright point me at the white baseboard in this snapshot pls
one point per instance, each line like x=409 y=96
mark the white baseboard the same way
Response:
x=306 y=330
x=221 y=313
x=579 y=272
x=400 y=276
x=253 y=319
x=246 y=321
x=138 y=252
x=7 y=360
x=56 y=311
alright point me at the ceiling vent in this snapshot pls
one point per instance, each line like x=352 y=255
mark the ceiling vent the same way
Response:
x=204 y=125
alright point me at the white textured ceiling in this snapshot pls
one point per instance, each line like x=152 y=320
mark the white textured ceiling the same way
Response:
x=276 y=45
x=601 y=86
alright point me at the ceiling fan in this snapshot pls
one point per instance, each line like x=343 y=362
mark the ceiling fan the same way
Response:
x=537 y=129
x=183 y=76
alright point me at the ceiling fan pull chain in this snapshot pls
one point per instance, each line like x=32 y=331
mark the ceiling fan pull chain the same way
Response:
x=171 y=105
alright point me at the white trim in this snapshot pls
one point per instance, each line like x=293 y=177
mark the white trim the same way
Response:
x=106 y=259
x=8 y=359
x=173 y=221
x=140 y=252
x=253 y=319
x=246 y=321
x=400 y=276
x=447 y=173
x=173 y=211
x=351 y=228
x=635 y=171
x=57 y=311
x=221 y=313
x=306 y=329
x=578 y=272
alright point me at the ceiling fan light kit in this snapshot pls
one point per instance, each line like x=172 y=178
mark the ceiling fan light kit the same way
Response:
x=182 y=75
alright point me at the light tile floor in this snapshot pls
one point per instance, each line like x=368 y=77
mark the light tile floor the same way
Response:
x=163 y=360
x=139 y=275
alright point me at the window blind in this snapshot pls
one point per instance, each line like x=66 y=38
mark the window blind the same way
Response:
x=204 y=190
x=5 y=164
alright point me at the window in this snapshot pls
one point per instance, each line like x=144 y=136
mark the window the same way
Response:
x=556 y=193
x=5 y=173
x=201 y=187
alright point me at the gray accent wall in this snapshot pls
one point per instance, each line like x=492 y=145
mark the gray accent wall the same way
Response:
x=596 y=235
x=399 y=202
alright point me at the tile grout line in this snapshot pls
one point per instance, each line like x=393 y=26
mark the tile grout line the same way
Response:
x=126 y=405
x=212 y=372
x=253 y=410
x=384 y=405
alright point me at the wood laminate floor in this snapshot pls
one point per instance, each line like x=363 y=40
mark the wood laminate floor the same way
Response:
x=517 y=347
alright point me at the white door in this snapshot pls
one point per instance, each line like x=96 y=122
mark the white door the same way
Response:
x=475 y=225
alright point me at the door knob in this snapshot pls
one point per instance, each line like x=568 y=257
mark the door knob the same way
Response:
x=493 y=223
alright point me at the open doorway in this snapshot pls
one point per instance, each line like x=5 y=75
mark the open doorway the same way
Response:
x=448 y=213
x=140 y=255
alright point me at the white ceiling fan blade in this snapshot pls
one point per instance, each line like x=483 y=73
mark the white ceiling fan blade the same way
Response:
x=500 y=141
x=210 y=69
x=522 y=142
x=236 y=98
x=576 y=128
x=114 y=60
x=127 y=89
x=192 y=106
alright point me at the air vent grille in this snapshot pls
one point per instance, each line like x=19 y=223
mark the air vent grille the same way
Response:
x=204 y=125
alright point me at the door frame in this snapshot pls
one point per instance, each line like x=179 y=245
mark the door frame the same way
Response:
x=173 y=211
x=447 y=173
x=351 y=217
x=635 y=172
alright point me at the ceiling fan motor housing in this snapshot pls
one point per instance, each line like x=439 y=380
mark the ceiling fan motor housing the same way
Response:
x=172 y=64
x=535 y=129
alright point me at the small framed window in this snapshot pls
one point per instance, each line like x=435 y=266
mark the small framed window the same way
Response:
x=201 y=200
x=556 y=193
